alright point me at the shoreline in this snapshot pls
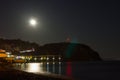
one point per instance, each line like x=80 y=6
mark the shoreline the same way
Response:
x=8 y=73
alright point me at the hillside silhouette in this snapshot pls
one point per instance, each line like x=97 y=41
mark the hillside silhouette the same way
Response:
x=68 y=51
x=16 y=45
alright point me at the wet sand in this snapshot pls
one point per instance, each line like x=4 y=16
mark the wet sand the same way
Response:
x=7 y=73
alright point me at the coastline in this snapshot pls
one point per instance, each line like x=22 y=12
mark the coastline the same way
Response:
x=8 y=73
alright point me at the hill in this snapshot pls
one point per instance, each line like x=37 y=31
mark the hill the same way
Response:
x=16 y=45
x=70 y=51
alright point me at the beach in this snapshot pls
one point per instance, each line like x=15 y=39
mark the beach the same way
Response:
x=13 y=74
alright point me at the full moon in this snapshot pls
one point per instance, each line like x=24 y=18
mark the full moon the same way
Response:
x=33 y=22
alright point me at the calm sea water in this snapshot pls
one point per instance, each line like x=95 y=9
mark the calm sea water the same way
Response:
x=100 y=70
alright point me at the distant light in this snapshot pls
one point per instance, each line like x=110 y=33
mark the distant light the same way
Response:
x=44 y=58
x=17 y=57
x=47 y=62
x=23 y=57
x=47 y=58
x=53 y=58
x=59 y=62
x=28 y=58
x=59 y=58
x=12 y=55
x=53 y=62
x=41 y=63
x=35 y=58
x=41 y=58
x=8 y=53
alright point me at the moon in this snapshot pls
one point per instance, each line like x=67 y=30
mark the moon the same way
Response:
x=33 y=22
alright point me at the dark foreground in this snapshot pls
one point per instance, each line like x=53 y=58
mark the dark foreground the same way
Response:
x=12 y=74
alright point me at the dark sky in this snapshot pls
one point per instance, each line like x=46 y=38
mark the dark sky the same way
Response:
x=94 y=23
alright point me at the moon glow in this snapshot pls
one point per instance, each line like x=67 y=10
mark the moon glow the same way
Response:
x=32 y=22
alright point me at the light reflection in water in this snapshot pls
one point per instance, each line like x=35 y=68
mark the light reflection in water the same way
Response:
x=53 y=67
x=59 y=67
x=42 y=67
x=69 y=69
x=47 y=66
x=35 y=67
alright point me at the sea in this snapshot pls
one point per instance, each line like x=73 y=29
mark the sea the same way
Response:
x=84 y=70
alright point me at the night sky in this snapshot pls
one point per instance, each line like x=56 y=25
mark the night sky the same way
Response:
x=94 y=23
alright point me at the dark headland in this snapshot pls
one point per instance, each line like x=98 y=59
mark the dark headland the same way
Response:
x=70 y=51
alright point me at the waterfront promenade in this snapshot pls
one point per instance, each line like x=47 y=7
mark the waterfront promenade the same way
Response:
x=8 y=73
